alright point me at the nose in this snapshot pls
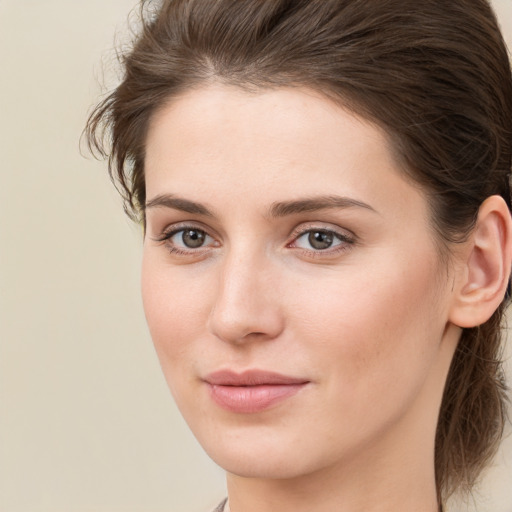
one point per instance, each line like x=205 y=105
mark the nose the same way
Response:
x=246 y=305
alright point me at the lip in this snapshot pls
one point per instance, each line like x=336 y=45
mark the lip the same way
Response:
x=251 y=391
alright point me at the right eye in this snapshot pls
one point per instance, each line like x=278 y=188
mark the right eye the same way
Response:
x=190 y=238
x=186 y=240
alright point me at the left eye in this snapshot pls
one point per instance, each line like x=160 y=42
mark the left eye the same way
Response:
x=318 y=239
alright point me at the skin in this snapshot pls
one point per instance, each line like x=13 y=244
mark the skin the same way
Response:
x=366 y=322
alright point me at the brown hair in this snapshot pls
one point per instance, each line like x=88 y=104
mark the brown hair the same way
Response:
x=434 y=74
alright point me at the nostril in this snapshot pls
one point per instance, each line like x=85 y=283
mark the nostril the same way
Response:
x=244 y=306
x=247 y=326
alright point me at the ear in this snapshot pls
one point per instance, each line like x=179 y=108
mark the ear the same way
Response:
x=486 y=266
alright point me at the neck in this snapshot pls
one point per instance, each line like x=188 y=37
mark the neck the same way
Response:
x=367 y=484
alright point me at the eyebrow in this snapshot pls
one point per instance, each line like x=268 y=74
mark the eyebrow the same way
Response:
x=313 y=204
x=278 y=209
x=178 y=203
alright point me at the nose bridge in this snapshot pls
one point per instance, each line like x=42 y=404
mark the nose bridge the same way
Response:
x=245 y=304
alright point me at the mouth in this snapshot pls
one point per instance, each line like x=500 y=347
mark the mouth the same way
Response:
x=251 y=391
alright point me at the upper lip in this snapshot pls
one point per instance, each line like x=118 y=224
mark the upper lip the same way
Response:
x=251 y=378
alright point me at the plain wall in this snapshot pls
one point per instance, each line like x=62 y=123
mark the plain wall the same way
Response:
x=86 y=421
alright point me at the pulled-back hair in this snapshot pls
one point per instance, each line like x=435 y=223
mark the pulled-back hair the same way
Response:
x=434 y=74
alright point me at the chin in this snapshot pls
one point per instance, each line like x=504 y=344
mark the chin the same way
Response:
x=262 y=455
x=261 y=466
x=255 y=456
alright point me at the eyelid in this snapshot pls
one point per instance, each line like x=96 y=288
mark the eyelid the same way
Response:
x=345 y=236
x=342 y=233
x=171 y=230
x=175 y=227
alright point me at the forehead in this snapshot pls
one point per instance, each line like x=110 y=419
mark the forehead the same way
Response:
x=284 y=141
x=227 y=120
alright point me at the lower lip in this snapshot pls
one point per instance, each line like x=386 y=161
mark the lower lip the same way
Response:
x=251 y=399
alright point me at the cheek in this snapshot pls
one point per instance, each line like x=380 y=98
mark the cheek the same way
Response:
x=373 y=327
x=175 y=312
x=374 y=339
x=175 y=308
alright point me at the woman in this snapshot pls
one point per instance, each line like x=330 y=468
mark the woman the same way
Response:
x=324 y=189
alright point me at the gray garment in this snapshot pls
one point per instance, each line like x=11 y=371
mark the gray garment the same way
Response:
x=221 y=506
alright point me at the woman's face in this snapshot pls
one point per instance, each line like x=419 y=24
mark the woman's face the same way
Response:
x=291 y=282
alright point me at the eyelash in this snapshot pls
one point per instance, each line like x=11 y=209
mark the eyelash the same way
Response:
x=345 y=241
x=167 y=235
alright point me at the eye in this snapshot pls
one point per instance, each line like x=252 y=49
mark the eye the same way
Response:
x=190 y=238
x=317 y=240
x=186 y=240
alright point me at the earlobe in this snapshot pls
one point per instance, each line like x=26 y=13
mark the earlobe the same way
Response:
x=486 y=271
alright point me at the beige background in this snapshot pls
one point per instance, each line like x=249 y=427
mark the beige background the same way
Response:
x=86 y=421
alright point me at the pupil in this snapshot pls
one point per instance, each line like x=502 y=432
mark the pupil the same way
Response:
x=320 y=239
x=193 y=238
